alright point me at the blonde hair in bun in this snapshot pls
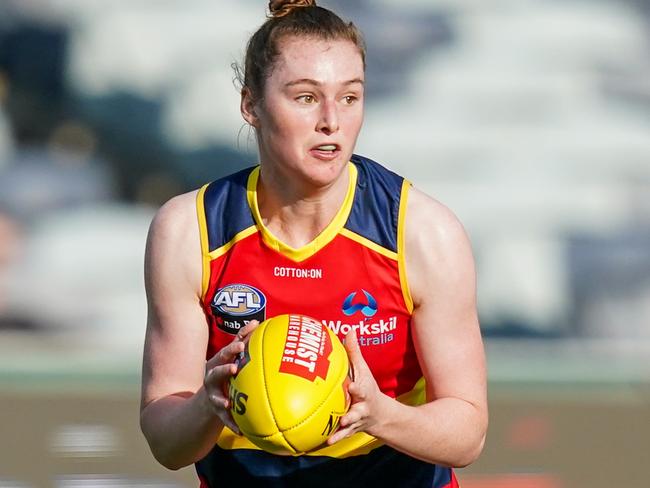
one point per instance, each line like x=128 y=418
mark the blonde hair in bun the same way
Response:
x=280 y=8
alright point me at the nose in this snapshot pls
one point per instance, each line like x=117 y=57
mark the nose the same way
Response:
x=328 y=122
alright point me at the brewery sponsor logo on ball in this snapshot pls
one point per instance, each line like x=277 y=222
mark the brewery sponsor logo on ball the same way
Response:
x=332 y=424
x=237 y=304
x=237 y=400
x=306 y=349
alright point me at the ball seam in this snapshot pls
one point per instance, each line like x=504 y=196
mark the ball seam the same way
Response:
x=329 y=393
x=267 y=396
x=264 y=382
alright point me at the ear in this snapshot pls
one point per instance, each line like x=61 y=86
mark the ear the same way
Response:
x=247 y=107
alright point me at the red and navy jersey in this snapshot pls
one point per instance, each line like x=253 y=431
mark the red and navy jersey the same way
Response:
x=352 y=275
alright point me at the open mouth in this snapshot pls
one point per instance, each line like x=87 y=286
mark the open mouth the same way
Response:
x=326 y=151
x=327 y=147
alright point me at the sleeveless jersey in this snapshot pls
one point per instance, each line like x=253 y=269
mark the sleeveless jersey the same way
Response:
x=352 y=275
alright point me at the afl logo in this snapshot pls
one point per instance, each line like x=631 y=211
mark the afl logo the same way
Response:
x=236 y=304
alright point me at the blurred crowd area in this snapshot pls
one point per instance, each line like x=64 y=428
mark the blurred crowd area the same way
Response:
x=529 y=118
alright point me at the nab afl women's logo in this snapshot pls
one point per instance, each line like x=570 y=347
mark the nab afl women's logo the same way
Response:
x=237 y=304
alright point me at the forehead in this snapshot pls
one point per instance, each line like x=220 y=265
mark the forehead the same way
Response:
x=325 y=61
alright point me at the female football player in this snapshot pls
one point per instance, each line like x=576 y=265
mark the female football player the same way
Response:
x=317 y=230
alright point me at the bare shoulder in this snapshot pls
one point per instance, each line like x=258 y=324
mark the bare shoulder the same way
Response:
x=438 y=250
x=175 y=217
x=174 y=238
x=431 y=215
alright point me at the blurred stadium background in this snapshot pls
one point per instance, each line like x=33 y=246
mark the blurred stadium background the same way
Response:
x=529 y=118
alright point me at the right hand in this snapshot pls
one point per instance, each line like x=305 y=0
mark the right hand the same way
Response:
x=218 y=371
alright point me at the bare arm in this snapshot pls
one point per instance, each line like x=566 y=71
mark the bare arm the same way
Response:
x=183 y=409
x=450 y=429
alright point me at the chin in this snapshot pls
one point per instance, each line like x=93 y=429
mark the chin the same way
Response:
x=325 y=173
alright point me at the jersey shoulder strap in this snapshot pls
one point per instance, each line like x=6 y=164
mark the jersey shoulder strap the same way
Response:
x=223 y=210
x=375 y=212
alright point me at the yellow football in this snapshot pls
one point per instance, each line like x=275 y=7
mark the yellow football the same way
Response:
x=290 y=389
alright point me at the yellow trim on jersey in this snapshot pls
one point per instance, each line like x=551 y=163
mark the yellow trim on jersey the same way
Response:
x=401 y=245
x=368 y=243
x=322 y=239
x=220 y=251
x=203 y=233
x=358 y=444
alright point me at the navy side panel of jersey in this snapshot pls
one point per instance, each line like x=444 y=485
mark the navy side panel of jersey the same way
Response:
x=384 y=467
x=224 y=213
x=375 y=211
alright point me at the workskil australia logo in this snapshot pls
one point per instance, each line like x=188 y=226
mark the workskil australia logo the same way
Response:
x=369 y=332
x=237 y=304
x=368 y=309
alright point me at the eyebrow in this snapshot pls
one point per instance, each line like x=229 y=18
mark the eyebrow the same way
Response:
x=309 y=81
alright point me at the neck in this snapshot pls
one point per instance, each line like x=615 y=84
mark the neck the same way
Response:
x=296 y=213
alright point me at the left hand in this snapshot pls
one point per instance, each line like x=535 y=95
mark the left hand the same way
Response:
x=365 y=395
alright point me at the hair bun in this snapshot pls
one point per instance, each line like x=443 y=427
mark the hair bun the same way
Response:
x=280 y=8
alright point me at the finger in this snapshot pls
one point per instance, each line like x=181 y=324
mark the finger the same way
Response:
x=344 y=432
x=230 y=352
x=357 y=413
x=351 y=344
x=356 y=391
x=221 y=406
x=337 y=436
x=246 y=330
x=220 y=403
x=219 y=374
x=226 y=355
x=229 y=422
x=357 y=362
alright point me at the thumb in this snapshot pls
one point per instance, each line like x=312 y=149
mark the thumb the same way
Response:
x=351 y=344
